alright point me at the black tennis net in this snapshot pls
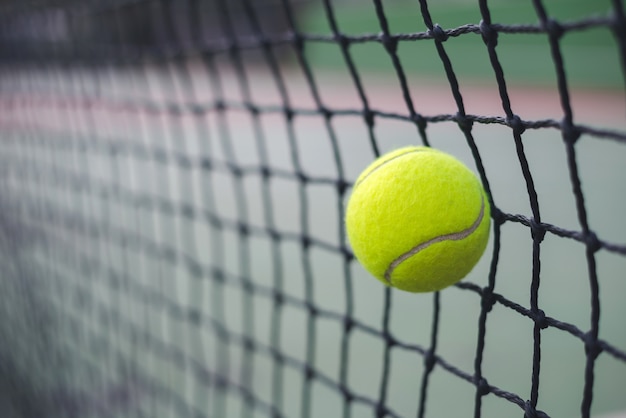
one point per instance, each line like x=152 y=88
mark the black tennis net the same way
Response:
x=173 y=178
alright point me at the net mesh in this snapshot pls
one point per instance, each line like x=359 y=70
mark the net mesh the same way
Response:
x=173 y=177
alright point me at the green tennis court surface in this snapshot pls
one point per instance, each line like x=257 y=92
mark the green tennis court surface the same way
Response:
x=591 y=56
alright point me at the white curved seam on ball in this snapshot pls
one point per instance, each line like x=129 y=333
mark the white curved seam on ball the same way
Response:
x=455 y=236
x=388 y=161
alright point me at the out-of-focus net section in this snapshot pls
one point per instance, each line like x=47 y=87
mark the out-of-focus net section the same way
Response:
x=173 y=177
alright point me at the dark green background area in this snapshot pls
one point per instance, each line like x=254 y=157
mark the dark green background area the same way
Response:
x=591 y=55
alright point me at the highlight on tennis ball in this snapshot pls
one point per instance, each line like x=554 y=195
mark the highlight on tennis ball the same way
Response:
x=418 y=219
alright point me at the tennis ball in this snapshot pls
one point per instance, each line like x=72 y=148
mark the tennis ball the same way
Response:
x=418 y=219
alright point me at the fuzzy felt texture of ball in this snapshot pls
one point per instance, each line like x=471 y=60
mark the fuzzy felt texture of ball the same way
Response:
x=418 y=219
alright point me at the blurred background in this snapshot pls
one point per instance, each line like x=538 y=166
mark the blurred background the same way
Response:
x=172 y=182
x=108 y=30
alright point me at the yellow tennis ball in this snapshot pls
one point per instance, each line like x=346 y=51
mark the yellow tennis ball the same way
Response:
x=418 y=219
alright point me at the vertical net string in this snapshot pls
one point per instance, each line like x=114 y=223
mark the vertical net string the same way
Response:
x=570 y=135
x=490 y=38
